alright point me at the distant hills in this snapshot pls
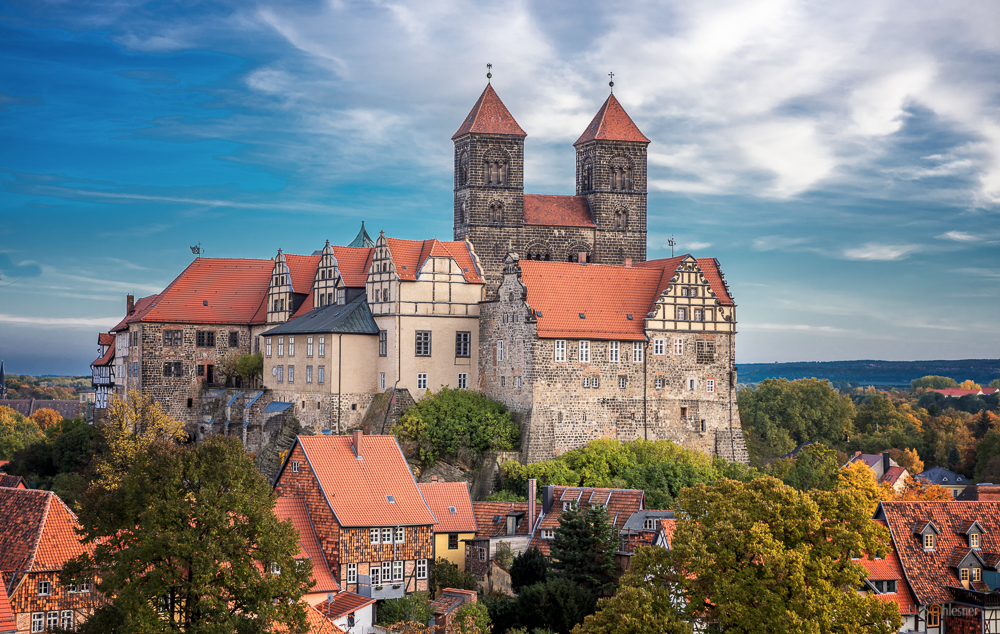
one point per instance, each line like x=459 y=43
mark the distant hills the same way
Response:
x=879 y=373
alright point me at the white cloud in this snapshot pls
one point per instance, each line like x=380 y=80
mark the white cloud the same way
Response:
x=693 y=246
x=785 y=327
x=772 y=243
x=959 y=236
x=102 y=323
x=876 y=252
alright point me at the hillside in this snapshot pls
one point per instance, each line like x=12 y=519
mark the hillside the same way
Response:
x=870 y=372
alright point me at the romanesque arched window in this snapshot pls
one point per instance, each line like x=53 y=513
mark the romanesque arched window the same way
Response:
x=495 y=167
x=496 y=213
x=621 y=173
x=587 y=183
x=463 y=168
x=621 y=219
x=539 y=252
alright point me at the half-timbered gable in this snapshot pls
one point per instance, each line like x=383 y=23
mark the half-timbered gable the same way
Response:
x=373 y=525
x=103 y=370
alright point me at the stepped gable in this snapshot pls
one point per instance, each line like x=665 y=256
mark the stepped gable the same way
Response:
x=409 y=257
x=709 y=268
x=612 y=123
x=38 y=532
x=358 y=490
x=294 y=509
x=489 y=116
x=233 y=289
x=559 y=292
x=142 y=306
x=442 y=497
x=557 y=211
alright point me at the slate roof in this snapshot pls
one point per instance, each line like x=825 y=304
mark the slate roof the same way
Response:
x=352 y=318
x=489 y=116
x=612 y=123
x=487 y=513
x=442 y=497
x=294 y=509
x=557 y=211
x=343 y=604
x=409 y=257
x=358 y=490
x=943 y=477
x=930 y=574
x=637 y=521
x=622 y=504
x=27 y=406
x=8 y=624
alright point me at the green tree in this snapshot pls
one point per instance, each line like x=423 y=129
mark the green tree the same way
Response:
x=879 y=415
x=415 y=607
x=760 y=557
x=815 y=467
x=132 y=425
x=529 y=568
x=558 y=604
x=250 y=366
x=16 y=432
x=986 y=450
x=994 y=383
x=444 y=574
x=472 y=618
x=643 y=603
x=933 y=382
x=583 y=547
x=191 y=530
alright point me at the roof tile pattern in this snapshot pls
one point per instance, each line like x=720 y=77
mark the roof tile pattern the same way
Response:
x=358 y=490
x=929 y=573
x=557 y=211
x=410 y=256
x=7 y=621
x=353 y=264
x=343 y=604
x=106 y=358
x=142 y=306
x=294 y=509
x=302 y=271
x=489 y=116
x=612 y=123
x=38 y=531
x=488 y=512
x=621 y=504
x=317 y=623
x=441 y=497
x=12 y=481
x=105 y=339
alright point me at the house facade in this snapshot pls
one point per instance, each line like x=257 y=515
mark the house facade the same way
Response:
x=451 y=504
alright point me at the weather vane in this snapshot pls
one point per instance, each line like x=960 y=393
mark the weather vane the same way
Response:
x=612 y=82
x=197 y=250
x=672 y=245
x=489 y=72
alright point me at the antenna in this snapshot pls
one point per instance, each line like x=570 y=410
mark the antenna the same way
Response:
x=672 y=244
x=197 y=249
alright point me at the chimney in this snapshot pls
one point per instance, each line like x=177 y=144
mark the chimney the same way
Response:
x=581 y=257
x=628 y=263
x=532 y=486
x=885 y=462
x=356 y=443
x=434 y=478
x=547 y=494
x=129 y=304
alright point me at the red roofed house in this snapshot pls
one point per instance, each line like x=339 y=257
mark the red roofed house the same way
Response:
x=37 y=538
x=583 y=351
x=948 y=554
x=8 y=624
x=621 y=504
x=451 y=504
x=885 y=469
x=373 y=526
x=605 y=220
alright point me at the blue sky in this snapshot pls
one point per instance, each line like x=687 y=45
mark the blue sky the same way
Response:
x=841 y=159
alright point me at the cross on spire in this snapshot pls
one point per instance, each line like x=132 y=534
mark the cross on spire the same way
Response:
x=672 y=245
x=489 y=73
x=612 y=82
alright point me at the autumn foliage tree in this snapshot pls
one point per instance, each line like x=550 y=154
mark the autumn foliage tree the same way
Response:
x=132 y=425
x=45 y=417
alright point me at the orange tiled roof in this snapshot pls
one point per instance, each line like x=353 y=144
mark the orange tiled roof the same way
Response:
x=409 y=256
x=105 y=339
x=357 y=490
x=490 y=116
x=7 y=621
x=605 y=295
x=294 y=509
x=343 y=604
x=142 y=306
x=12 y=481
x=37 y=533
x=892 y=475
x=612 y=123
x=318 y=624
x=301 y=271
x=442 y=497
x=557 y=211
x=106 y=358
x=668 y=527
x=621 y=504
x=930 y=574
x=488 y=526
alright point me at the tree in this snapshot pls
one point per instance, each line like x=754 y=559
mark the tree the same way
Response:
x=919 y=490
x=583 y=547
x=16 y=432
x=191 y=531
x=132 y=425
x=250 y=367
x=984 y=422
x=228 y=365
x=986 y=450
x=994 y=383
x=444 y=574
x=933 y=382
x=759 y=557
x=909 y=459
x=558 y=604
x=410 y=608
x=857 y=477
x=472 y=618
x=45 y=417
x=969 y=384
x=815 y=467
x=529 y=568
x=643 y=603
x=991 y=472
x=879 y=415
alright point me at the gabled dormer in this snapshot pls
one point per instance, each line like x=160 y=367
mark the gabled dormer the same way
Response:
x=928 y=532
x=328 y=288
x=279 y=293
x=968 y=565
x=973 y=532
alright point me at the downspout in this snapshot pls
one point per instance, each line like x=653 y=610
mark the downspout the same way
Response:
x=340 y=395
x=645 y=386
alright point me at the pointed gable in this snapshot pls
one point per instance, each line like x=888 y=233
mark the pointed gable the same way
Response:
x=612 y=123
x=490 y=116
x=362 y=240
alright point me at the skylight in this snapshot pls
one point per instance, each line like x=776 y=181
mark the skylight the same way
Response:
x=392 y=500
x=452 y=510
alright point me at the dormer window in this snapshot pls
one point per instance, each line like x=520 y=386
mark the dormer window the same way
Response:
x=649 y=524
x=548 y=533
x=963 y=575
x=929 y=541
x=973 y=540
x=977 y=574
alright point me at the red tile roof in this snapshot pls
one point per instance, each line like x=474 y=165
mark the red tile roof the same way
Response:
x=955 y=392
x=892 y=475
x=142 y=307
x=12 y=481
x=353 y=264
x=37 y=532
x=343 y=604
x=487 y=512
x=612 y=123
x=105 y=339
x=409 y=257
x=621 y=504
x=301 y=271
x=930 y=573
x=490 y=116
x=7 y=621
x=442 y=497
x=357 y=490
x=294 y=509
x=317 y=623
x=106 y=358
x=710 y=269
x=557 y=211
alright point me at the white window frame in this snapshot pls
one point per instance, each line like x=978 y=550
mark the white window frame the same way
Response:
x=482 y=554
x=658 y=383
x=659 y=346
x=67 y=619
x=586 y=381
x=38 y=621
x=381 y=380
x=710 y=386
x=614 y=352
x=295 y=466
x=559 y=351
x=548 y=533
x=309 y=346
x=44 y=588
x=397 y=571
x=422 y=381
x=421 y=569
x=678 y=345
x=387 y=535
x=52 y=619
x=281 y=346
x=584 y=353
x=352 y=573
x=291 y=346
x=681 y=313
x=386 y=572
x=500 y=350
x=375 y=574
x=692 y=384
x=309 y=374
x=463 y=380
x=374 y=535
x=637 y=352
x=322 y=347
x=649 y=524
x=400 y=535
x=622 y=382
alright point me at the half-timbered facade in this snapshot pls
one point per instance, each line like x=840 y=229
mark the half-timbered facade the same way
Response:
x=374 y=528
x=103 y=371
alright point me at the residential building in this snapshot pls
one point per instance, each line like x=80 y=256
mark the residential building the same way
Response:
x=316 y=623
x=350 y=612
x=373 y=526
x=982 y=492
x=954 y=482
x=499 y=525
x=886 y=580
x=620 y=504
x=644 y=528
x=102 y=371
x=12 y=481
x=948 y=554
x=37 y=537
x=294 y=510
x=445 y=607
x=879 y=463
x=451 y=504
x=581 y=351
x=8 y=624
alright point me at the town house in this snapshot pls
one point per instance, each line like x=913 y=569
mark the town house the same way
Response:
x=451 y=504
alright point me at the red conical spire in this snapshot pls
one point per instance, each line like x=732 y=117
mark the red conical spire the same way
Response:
x=612 y=123
x=490 y=116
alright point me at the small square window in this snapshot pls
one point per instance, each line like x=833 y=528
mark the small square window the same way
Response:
x=373 y=535
x=387 y=533
x=421 y=381
x=659 y=383
x=44 y=588
x=452 y=541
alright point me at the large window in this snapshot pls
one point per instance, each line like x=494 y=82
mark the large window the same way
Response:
x=386 y=571
x=463 y=344
x=291 y=346
x=173 y=338
x=173 y=369
x=309 y=374
x=560 y=350
x=397 y=571
x=585 y=352
x=205 y=338
x=613 y=351
x=38 y=621
x=423 y=343
x=281 y=346
x=382 y=343
x=309 y=346
x=400 y=534
x=291 y=374
x=322 y=346
x=267 y=347
x=281 y=373
x=67 y=619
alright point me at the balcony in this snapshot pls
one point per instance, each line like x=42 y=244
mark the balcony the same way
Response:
x=394 y=590
x=973 y=597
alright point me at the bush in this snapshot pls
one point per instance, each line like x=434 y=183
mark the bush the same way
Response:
x=472 y=618
x=506 y=496
x=412 y=607
x=444 y=574
x=557 y=604
x=528 y=568
x=443 y=422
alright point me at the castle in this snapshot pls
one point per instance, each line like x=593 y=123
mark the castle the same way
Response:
x=546 y=303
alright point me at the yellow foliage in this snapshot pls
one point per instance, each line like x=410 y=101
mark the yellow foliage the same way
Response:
x=908 y=459
x=45 y=417
x=859 y=477
x=132 y=425
x=9 y=418
x=969 y=384
x=918 y=490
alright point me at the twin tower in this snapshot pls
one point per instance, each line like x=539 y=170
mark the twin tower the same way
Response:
x=604 y=223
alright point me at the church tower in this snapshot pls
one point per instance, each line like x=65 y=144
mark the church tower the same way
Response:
x=611 y=173
x=489 y=182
